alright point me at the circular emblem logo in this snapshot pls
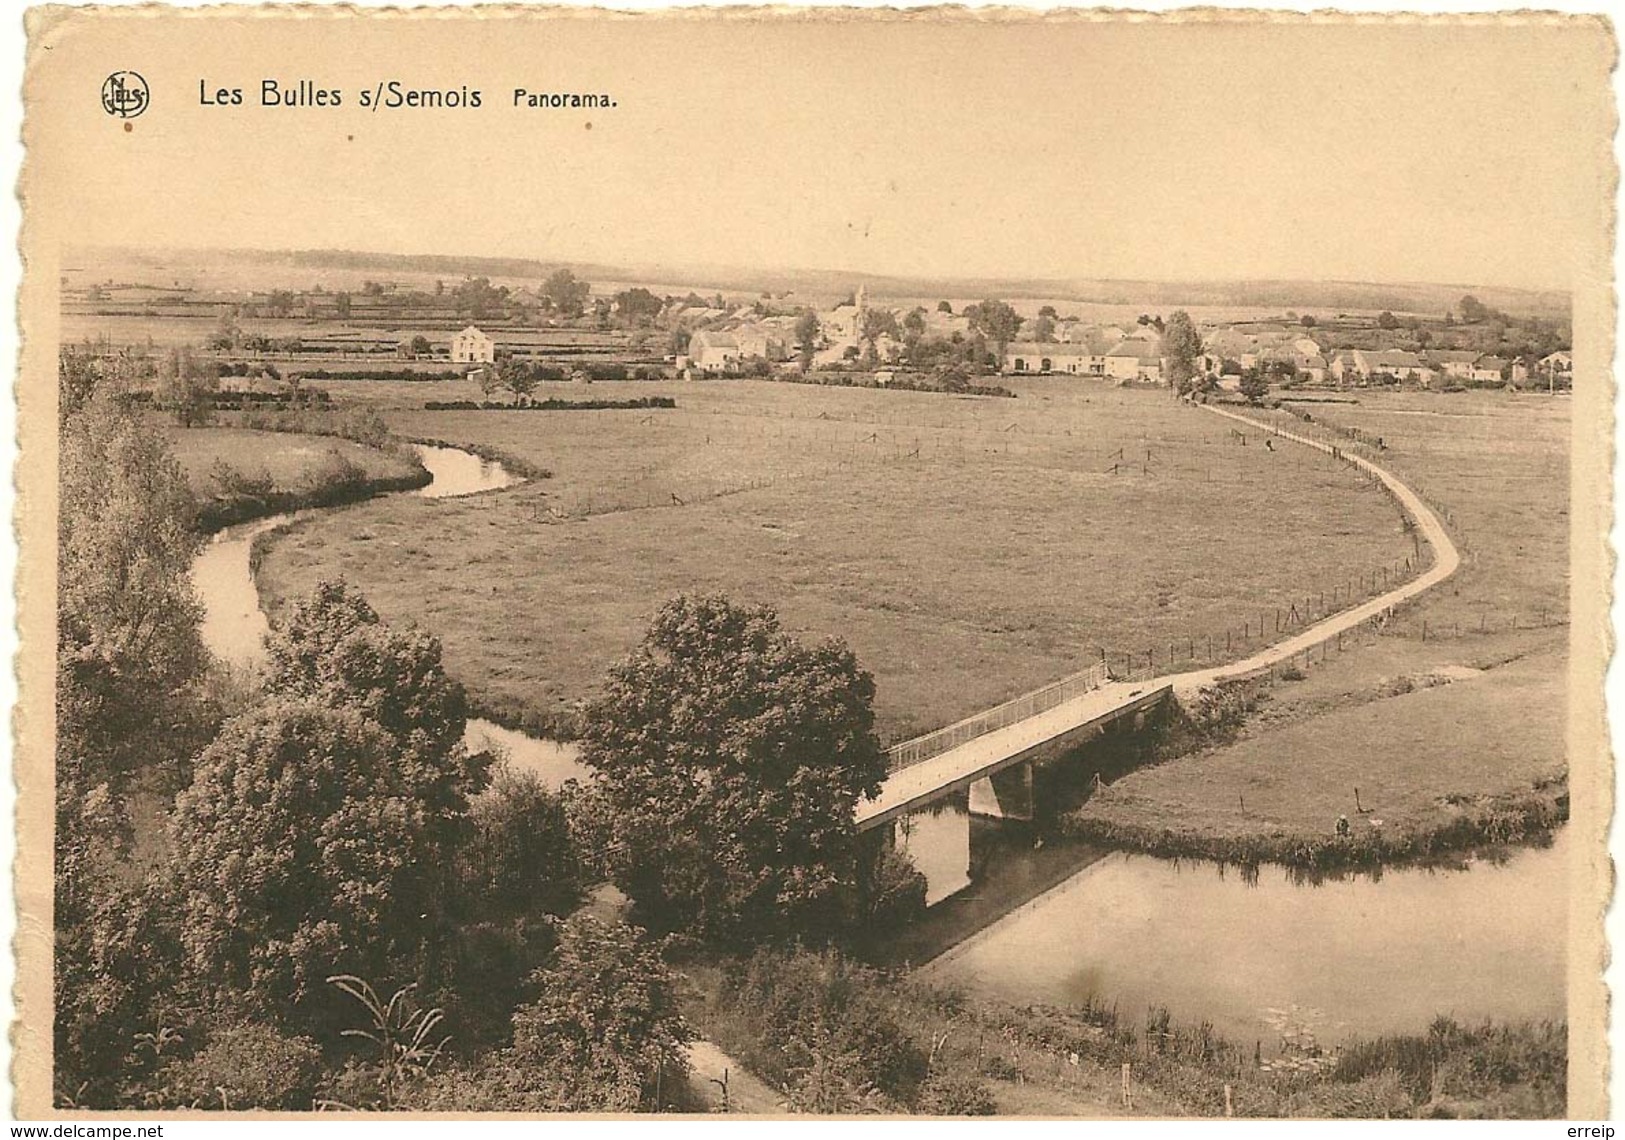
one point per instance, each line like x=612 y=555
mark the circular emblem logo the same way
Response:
x=124 y=94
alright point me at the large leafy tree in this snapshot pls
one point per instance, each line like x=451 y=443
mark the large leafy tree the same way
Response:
x=334 y=648
x=130 y=664
x=129 y=654
x=318 y=833
x=638 y=306
x=301 y=850
x=732 y=758
x=997 y=320
x=566 y=292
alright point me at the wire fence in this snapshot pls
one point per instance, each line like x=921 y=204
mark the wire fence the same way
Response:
x=908 y=753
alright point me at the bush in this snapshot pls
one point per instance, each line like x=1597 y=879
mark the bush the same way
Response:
x=896 y=890
x=551 y=404
x=244 y=1065
x=518 y=859
x=956 y=1096
x=605 y=1019
x=821 y=1024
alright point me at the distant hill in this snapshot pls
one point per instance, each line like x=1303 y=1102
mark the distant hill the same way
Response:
x=818 y=284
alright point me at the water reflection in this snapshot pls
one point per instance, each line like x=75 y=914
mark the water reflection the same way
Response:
x=1484 y=940
x=457 y=472
x=554 y=761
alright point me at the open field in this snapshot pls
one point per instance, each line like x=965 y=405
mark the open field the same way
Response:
x=968 y=549
x=1491 y=740
x=1434 y=741
x=286 y=459
x=1498 y=464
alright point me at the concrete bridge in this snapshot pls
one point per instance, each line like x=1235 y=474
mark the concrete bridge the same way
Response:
x=989 y=758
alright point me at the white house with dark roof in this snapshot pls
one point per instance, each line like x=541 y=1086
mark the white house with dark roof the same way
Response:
x=471 y=346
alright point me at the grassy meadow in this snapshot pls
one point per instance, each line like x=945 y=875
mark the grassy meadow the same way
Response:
x=288 y=461
x=1463 y=718
x=238 y=474
x=968 y=548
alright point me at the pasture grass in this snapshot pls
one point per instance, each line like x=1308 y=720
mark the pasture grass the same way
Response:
x=968 y=549
x=286 y=460
x=1479 y=759
x=1436 y=770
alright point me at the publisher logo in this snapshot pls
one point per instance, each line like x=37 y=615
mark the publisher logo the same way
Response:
x=124 y=94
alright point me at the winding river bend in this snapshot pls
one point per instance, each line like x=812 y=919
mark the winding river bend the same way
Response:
x=1256 y=959
x=234 y=626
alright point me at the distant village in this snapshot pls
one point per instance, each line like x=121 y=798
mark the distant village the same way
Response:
x=563 y=328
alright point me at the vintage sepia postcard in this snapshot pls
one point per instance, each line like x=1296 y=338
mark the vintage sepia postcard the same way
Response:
x=822 y=562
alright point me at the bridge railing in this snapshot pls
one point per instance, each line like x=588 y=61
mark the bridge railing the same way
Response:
x=907 y=753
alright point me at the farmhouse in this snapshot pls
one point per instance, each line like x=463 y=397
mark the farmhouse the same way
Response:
x=1342 y=366
x=758 y=340
x=471 y=346
x=1454 y=363
x=1043 y=357
x=1489 y=370
x=714 y=351
x=1134 y=359
x=1388 y=362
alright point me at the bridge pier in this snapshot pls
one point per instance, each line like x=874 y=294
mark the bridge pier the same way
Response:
x=1005 y=795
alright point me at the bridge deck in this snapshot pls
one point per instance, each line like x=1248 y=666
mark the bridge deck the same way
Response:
x=986 y=755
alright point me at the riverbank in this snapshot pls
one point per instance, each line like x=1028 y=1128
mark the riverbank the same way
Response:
x=514 y=463
x=841 y=1037
x=1424 y=749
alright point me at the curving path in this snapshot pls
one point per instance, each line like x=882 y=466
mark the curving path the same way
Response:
x=1446 y=560
x=910 y=788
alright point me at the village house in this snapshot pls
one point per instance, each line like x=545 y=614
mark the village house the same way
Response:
x=1557 y=367
x=845 y=321
x=1343 y=367
x=711 y=351
x=1454 y=363
x=759 y=340
x=1393 y=362
x=471 y=346
x=1488 y=370
x=1311 y=367
x=1134 y=360
x=1054 y=356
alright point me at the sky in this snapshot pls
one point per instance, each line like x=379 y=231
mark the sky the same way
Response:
x=1056 y=148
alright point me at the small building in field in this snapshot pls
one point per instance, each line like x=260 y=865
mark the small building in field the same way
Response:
x=471 y=346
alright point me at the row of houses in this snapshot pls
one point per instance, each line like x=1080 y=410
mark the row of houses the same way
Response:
x=1131 y=359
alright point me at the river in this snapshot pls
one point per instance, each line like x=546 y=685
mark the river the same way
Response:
x=234 y=626
x=1354 y=956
